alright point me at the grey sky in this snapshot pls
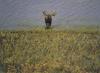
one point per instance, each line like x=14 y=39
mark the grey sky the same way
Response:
x=29 y=12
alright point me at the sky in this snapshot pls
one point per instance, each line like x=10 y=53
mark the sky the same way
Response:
x=27 y=13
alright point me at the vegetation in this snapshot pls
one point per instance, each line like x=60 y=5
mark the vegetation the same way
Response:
x=50 y=51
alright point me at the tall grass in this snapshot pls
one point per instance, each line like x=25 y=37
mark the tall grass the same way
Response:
x=50 y=51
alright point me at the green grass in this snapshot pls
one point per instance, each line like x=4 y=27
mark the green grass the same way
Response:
x=51 y=51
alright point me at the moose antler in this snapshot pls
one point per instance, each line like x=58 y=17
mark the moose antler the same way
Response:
x=53 y=14
x=44 y=12
x=49 y=13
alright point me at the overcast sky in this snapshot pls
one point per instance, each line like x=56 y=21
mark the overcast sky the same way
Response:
x=29 y=12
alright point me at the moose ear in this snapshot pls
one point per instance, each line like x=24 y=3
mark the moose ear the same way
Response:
x=44 y=12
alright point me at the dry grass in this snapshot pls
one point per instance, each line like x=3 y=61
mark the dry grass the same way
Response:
x=50 y=51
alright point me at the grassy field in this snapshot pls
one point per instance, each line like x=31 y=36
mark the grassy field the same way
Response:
x=50 y=51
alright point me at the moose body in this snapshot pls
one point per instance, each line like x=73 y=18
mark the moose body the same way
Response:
x=48 y=19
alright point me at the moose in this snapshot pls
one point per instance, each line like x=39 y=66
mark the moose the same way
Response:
x=48 y=18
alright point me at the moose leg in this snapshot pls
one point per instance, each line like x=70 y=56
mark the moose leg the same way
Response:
x=48 y=22
x=47 y=25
